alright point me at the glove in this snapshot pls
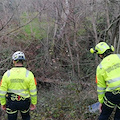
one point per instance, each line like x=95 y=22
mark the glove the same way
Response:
x=32 y=107
x=3 y=107
x=100 y=107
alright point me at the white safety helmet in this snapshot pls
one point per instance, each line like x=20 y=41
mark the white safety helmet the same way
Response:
x=18 y=56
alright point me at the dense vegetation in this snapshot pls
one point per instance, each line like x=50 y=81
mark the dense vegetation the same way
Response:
x=56 y=36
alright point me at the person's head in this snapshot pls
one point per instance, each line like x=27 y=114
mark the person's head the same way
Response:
x=18 y=58
x=102 y=49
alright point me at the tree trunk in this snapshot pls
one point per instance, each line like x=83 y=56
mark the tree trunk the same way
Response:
x=108 y=18
x=94 y=28
x=118 y=46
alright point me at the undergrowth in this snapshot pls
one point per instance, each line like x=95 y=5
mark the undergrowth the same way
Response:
x=63 y=102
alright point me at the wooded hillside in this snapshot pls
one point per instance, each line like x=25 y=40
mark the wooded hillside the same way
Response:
x=56 y=36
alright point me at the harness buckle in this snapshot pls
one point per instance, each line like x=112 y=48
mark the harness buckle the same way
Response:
x=15 y=97
x=19 y=98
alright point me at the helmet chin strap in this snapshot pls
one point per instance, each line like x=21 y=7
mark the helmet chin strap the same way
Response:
x=17 y=61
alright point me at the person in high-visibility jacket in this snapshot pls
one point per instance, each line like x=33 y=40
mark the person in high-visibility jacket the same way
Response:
x=18 y=89
x=108 y=80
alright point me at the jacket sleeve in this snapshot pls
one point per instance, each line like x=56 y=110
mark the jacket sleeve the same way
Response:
x=33 y=89
x=101 y=85
x=3 y=89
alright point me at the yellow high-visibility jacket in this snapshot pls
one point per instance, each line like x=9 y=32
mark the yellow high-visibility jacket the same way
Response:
x=20 y=81
x=108 y=75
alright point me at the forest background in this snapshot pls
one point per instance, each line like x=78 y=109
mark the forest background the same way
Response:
x=56 y=36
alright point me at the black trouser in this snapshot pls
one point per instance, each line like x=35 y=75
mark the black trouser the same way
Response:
x=111 y=100
x=13 y=106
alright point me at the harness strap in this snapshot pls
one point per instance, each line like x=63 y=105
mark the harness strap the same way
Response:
x=9 y=111
x=116 y=92
x=108 y=103
x=13 y=97
x=25 y=111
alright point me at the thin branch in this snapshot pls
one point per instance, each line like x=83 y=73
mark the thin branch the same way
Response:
x=113 y=22
x=23 y=24
x=3 y=26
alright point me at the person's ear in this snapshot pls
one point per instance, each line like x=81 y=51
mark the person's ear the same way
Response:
x=14 y=62
x=101 y=56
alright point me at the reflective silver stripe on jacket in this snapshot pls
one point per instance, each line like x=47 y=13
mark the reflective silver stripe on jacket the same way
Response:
x=33 y=95
x=118 y=55
x=27 y=73
x=35 y=90
x=100 y=65
x=17 y=91
x=101 y=88
x=113 y=88
x=23 y=94
x=114 y=80
x=3 y=92
x=8 y=73
x=100 y=93
x=2 y=96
